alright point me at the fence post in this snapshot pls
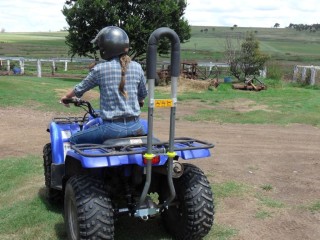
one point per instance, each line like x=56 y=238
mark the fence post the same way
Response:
x=295 y=73
x=304 y=74
x=21 y=62
x=53 y=67
x=313 y=76
x=39 y=68
x=8 y=66
x=66 y=66
x=263 y=72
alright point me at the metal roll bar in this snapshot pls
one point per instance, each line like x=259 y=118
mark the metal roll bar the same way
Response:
x=151 y=76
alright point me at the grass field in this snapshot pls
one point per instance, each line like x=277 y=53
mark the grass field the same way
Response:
x=33 y=45
x=280 y=104
x=280 y=43
x=286 y=47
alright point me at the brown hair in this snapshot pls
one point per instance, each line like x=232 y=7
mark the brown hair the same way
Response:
x=124 y=62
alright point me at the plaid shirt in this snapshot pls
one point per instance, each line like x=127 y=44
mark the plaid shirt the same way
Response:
x=107 y=75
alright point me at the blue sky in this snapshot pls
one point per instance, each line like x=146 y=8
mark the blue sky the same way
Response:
x=45 y=15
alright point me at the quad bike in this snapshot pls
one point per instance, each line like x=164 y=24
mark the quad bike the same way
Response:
x=136 y=176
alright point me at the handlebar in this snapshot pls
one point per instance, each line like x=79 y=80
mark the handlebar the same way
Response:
x=79 y=102
x=74 y=101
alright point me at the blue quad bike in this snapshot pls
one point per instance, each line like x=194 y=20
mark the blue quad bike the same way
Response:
x=136 y=176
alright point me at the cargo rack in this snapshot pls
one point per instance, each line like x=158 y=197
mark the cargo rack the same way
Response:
x=158 y=147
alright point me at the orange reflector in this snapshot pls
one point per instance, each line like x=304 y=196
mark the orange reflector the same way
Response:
x=163 y=103
x=154 y=160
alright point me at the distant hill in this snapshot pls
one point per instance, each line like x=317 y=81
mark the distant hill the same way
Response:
x=206 y=43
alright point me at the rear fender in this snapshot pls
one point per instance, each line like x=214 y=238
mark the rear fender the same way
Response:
x=193 y=154
x=111 y=161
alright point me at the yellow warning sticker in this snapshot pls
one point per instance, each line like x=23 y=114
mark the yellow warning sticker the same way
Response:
x=163 y=103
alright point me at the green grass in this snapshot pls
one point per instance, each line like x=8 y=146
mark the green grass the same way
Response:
x=280 y=43
x=269 y=202
x=221 y=233
x=262 y=214
x=314 y=207
x=228 y=189
x=15 y=171
x=37 y=93
x=34 y=45
x=282 y=103
x=266 y=187
x=25 y=213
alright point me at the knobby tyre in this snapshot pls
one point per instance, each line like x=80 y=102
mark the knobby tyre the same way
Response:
x=88 y=209
x=192 y=217
x=53 y=195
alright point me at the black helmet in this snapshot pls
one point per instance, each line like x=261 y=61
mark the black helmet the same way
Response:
x=112 y=41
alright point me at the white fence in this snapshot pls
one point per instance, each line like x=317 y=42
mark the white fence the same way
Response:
x=39 y=67
x=36 y=65
x=305 y=74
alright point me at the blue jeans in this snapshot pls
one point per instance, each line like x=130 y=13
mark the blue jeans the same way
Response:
x=108 y=130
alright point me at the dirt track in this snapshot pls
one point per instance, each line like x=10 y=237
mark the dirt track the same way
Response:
x=284 y=157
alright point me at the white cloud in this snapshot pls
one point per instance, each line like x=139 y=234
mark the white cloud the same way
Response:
x=32 y=15
x=45 y=15
x=252 y=13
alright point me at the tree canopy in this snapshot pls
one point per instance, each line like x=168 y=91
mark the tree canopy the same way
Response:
x=305 y=27
x=246 y=61
x=138 y=18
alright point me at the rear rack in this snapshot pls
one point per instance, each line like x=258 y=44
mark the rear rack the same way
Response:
x=68 y=120
x=100 y=150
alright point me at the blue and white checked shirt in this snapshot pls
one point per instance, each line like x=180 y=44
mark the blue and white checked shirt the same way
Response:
x=107 y=75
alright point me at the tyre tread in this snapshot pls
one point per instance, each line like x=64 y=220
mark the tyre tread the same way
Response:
x=95 y=212
x=194 y=193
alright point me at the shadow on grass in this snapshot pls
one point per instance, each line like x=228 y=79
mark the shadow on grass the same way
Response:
x=126 y=228
x=75 y=79
x=129 y=228
x=57 y=208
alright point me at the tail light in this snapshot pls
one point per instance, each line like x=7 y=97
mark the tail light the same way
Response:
x=154 y=160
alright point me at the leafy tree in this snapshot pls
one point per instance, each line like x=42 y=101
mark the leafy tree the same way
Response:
x=276 y=25
x=305 y=27
x=138 y=18
x=246 y=61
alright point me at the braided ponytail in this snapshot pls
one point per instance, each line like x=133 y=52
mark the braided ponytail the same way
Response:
x=124 y=62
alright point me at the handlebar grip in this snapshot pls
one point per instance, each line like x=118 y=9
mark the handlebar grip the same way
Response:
x=69 y=100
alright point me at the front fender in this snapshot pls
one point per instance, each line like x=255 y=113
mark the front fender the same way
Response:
x=59 y=136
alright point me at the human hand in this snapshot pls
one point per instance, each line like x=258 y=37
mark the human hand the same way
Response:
x=62 y=101
x=141 y=103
